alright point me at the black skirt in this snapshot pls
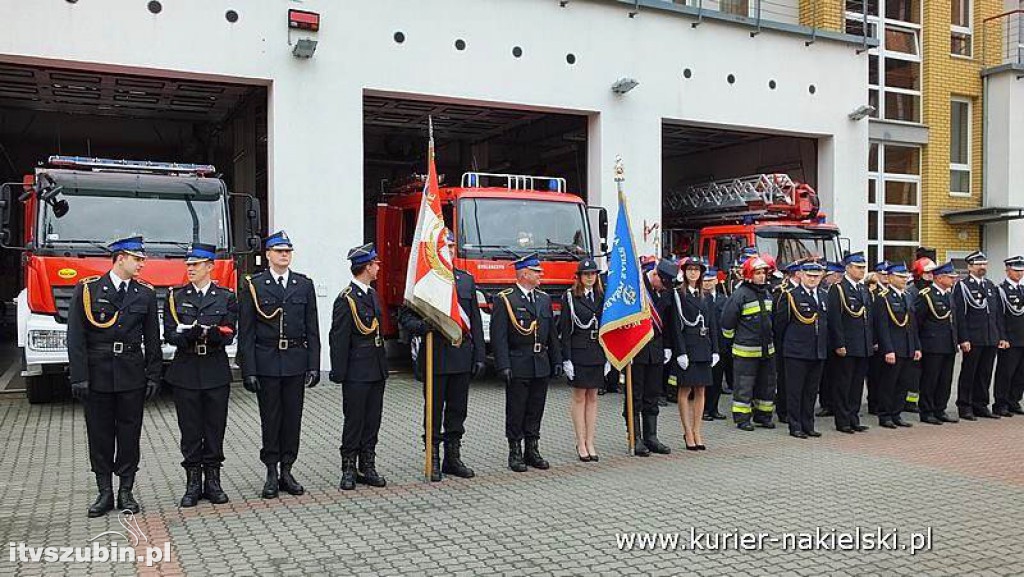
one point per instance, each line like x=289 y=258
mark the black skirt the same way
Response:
x=588 y=377
x=695 y=375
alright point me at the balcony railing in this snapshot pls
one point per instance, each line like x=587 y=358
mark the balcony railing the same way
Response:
x=1003 y=39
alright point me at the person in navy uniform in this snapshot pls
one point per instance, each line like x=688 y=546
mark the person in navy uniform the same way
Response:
x=899 y=346
x=583 y=358
x=1009 y=385
x=791 y=280
x=279 y=353
x=526 y=354
x=801 y=323
x=199 y=320
x=852 y=342
x=721 y=372
x=880 y=277
x=115 y=362
x=937 y=331
x=359 y=362
x=454 y=365
x=979 y=322
x=699 y=347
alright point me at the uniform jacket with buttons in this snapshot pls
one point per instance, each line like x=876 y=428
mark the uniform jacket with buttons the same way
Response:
x=805 y=339
x=218 y=308
x=895 y=325
x=357 y=357
x=936 y=324
x=91 y=349
x=669 y=336
x=850 y=319
x=580 y=345
x=699 y=341
x=982 y=327
x=259 y=351
x=1011 y=303
x=513 y=350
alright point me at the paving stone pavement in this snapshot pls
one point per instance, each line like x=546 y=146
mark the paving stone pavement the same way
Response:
x=965 y=482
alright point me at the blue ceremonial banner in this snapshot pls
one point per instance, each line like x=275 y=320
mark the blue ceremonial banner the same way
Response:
x=626 y=323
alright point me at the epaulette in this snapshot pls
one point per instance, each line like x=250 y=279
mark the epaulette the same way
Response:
x=882 y=291
x=145 y=284
x=345 y=292
x=506 y=292
x=540 y=291
x=89 y=279
x=297 y=274
x=925 y=290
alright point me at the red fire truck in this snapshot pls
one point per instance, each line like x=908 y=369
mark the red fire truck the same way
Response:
x=770 y=212
x=74 y=206
x=496 y=218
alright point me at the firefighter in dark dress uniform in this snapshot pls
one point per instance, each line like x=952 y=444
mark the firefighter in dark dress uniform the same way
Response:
x=876 y=364
x=792 y=273
x=454 y=365
x=1010 y=369
x=939 y=340
x=115 y=357
x=899 y=346
x=360 y=363
x=852 y=343
x=279 y=353
x=526 y=354
x=721 y=372
x=834 y=272
x=979 y=322
x=199 y=320
x=801 y=321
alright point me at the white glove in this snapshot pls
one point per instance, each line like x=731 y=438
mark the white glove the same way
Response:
x=715 y=358
x=570 y=372
x=184 y=328
x=683 y=361
x=668 y=356
x=607 y=368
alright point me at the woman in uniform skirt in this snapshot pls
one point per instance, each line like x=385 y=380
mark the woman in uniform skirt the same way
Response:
x=700 y=353
x=584 y=360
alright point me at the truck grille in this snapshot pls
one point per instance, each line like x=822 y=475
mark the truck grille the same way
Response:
x=62 y=299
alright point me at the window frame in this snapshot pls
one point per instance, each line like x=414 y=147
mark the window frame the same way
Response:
x=967 y=31
x=957 y=166
x=880 y=208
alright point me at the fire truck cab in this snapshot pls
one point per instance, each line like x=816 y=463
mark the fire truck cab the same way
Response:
x=74 y=207
x=770 y=212
x=495 y=218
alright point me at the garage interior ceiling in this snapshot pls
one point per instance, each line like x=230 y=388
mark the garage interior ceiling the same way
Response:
x=681 y=140
x=106 y=94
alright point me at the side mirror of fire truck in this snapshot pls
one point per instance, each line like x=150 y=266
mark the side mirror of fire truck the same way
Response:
x=602 y=226
x=252 y=223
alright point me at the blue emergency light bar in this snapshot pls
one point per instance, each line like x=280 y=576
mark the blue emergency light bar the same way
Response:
x=131 y=165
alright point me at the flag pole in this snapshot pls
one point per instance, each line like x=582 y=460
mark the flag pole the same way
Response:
x=630 y=424
x=429 y=433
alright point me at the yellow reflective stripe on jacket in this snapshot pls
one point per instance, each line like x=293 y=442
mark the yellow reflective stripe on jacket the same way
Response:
x=728 y=333
x=738 y=407
x=750 y=308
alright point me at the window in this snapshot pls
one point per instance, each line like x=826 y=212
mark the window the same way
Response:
x=894 y=201
x=960 y=147
x=894 y=66
x=903 y=10
x=737 y=7
x=960 y=28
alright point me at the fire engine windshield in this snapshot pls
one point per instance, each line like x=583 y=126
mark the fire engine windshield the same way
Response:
x=504 y=228
x=788 y=244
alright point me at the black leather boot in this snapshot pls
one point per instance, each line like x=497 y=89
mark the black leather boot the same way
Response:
x=515 y=456
x=125 y=500
x=270 y=488
x=453 y=464
x=348 y=473
x=366 y=473
x=435 y=464
x=532 y=455
x=651 y=436
x=211 y=486
x=288 y=483
x=193 y=487
x=105 y=498
x=639 y=447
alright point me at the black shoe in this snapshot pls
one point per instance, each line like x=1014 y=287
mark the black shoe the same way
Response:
x=784 y=419
x=1003 y=413
x=650 y=424
x=515 y=456
x=860 y=428
x=691 y=447
x=931 y=420
x=814 y=434
x=719 y=416
x=594 y=458
x=910 y=407
x=602 y=392
x=104 y=502
x=902 y=423
x=662 y=402
x=825 y=413
x=348 y=473
x=532 y=455
x=435 y=464
x=847 y=430
x=1017 y=410
x=125 y=500
x=270 y=486
x=193 y=487
x=707 y=417
x=798 y=434
x=211 y=486
x=640 y=448
x=453 y=464
x=968 y=416
x=366 y=471
x=745 y=426
x=766 y=425
x=582 y=458
x=944 y=418
x=702 y=447
x=985 y=414
x=887 y=425
x=288 y=483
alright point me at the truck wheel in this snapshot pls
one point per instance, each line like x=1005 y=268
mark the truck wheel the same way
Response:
x=46 y=388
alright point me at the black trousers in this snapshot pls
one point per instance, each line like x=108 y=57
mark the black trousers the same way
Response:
x=847 y=376
x=362 y=404
x=826 y=396
x=802 y=379
x=781 y=398
x=280 y=400
x=202 y=418
x=1009 y=378
x=646 y=389
x=451 y=403
x=713 y=394
x=524 y=408
x=113 y=422
x=753 y=394
x=893 y=383
x=876 y=397
x=936 y=383
x=975 y=379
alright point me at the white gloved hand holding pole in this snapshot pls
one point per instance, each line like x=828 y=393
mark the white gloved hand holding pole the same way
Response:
x=668 y=356
x=570 y=372
x=683 y=361
x=715 y=358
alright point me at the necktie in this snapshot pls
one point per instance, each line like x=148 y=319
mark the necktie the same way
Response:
x=529 y=297
x=121 y=290
x=280 y=282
